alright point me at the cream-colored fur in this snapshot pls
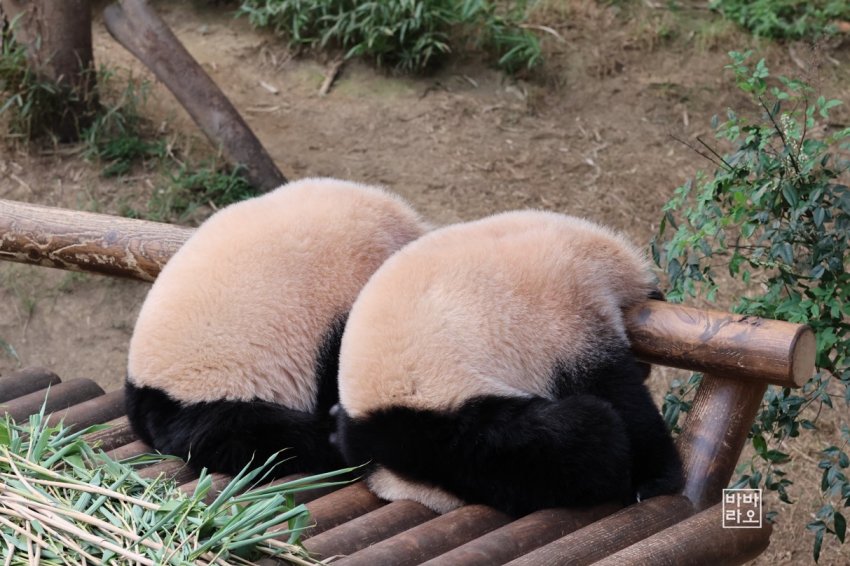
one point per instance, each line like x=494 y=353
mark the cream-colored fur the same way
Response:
x=391 y=487
x=242 y=307
x=488 y=308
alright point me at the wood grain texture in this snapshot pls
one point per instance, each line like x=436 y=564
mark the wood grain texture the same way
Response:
x=85 y=241
x=613 y=533
x=368 y=529
x=25 y=381
x=97 y=410
x=700 y=540
x=118 y=433
x=134 y=448
x=176 y=470
x=429 y=539
x=746 y=347
x=521 y=536
x=714 y=434
x=136 y=26
x=57 y=398
x=341 y=506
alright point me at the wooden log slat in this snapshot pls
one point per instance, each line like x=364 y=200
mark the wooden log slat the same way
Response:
x=91 y=412
x=521 y=536
x=118 y=433
x=429 y=539
x=368 y=529
x=25 y=381
x=700 y=540
x=341 y=506
x=613 y=533
x=746 y=347
x=219 y=482
x=136 y=26
x=86 y=241
x=58 y=397
x=176 y=470
x=135 y=448
x=714 y=434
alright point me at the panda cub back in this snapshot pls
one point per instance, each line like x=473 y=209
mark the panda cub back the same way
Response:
x=489 y=361
x=241 y=329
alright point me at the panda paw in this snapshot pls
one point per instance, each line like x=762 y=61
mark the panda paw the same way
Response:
x=334 y=411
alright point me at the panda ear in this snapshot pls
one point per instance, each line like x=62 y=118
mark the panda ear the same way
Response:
x=656 y=295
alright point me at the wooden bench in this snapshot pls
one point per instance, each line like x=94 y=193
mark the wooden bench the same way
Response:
x=739 y=355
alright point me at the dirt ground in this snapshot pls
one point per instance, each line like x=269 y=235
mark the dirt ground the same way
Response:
x=592 y=135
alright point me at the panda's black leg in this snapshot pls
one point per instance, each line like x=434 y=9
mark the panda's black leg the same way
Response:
x=226 y=436
x=515 y=454
x=656 y=465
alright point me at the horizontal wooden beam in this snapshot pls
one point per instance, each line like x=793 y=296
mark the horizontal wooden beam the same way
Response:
x=747 y=348
x=744 y=347
x=86 y=241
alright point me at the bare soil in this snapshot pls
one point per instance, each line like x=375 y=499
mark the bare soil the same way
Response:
x=592 y=135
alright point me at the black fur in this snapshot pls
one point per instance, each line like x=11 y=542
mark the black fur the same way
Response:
x=225 y=436
x=327 y=366
x=602 y=440
x=515 y=454
x=656 y=465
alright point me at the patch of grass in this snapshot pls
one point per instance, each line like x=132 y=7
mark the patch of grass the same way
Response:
x=29 y=106
x=407 y=35
x=190 y=188
x=119 y=135
x=64 y=501
x=785 y=19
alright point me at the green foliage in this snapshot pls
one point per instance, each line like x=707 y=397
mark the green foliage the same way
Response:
x=775 y=215
x=189 y=188
x=64 y=501
x=788 y=19
x=118 y=135
x=409 y=35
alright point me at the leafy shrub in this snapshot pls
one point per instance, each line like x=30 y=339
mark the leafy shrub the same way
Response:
x=776 y=215
x=409 y=35
x=791 y=19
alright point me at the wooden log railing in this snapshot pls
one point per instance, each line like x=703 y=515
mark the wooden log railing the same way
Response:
x=739 y=355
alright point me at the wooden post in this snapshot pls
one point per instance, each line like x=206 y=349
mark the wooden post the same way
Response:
x=58 y=38
x=136 y=26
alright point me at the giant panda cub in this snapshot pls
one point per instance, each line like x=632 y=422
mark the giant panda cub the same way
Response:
x=234 y=354
x=488 y=362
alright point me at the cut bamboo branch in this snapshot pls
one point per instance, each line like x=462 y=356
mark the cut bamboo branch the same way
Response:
x=136 y=26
